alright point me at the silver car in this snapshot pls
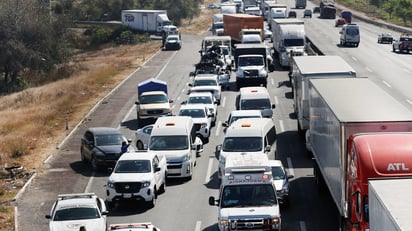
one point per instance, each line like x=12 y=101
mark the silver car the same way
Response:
x=281 y=180
x=143 y=136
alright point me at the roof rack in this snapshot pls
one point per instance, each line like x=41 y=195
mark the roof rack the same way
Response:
x=145 y=225
x=75 y=196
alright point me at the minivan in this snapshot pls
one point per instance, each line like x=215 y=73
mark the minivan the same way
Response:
x=349 y=35
x=255 y=98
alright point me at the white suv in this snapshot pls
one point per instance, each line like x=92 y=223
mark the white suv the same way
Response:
x=202 y=118
x=207 y=83
x=205 y=98
x=74 y=211
x=137 y=176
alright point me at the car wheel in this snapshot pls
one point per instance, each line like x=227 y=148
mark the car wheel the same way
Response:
x=393 y=49
x=140 y=145
x=152 y=202
x=110 y=205
x=82 y=156
x=93 y=162
x=163 y=186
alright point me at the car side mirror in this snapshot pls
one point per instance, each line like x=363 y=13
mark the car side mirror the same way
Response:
x=225 y=124
x=157 y=169
x=47 y=216
x=273 y=106
x=267 y=148
x=137 y=103
x=212 y=201
x=192 y=73
x=105 y=213
x=171 y=100
x=190 y=85
x=290 y=176
x=193 y=146
x=219 y=148
x=340 y=32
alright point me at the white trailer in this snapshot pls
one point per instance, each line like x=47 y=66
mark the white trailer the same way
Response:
x=288 y=36
x=390 y=205
x=150 y=21
x=346 y=117
x=277 y=11
x=305 y=68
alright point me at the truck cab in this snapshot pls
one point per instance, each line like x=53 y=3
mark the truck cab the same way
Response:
x=247 y=186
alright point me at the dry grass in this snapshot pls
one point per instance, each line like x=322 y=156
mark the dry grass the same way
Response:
x=33 y=121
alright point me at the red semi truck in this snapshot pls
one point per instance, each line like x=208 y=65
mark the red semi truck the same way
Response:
x=234 y=23
x=357 y=132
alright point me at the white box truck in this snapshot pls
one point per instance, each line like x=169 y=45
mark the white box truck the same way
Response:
x=288 y=36
x=247 y=196
x=305 y=68
x=390 y=205
x=358 y=131
x=150 y=21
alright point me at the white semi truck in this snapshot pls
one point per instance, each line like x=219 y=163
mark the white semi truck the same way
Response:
x=358 y=132
x=288 y=36
x=390 y=204
x=150 y=21
x=305 y=68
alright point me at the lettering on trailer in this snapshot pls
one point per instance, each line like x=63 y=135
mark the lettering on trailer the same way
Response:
x=397 y=167
x=128 y=18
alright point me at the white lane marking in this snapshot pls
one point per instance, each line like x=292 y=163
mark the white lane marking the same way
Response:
x=223 y=101
x=282 y=128
x=386 y=83
x=89 y=184
x=47 y=159
x=272 y=81
x=368 y=69
x=290 y=166
x=219 y=125
x=409 y=101
x=183 y=90
x=198 y=225
x=276 y=100
x=302 y=225
x=355 y=59
x=164 y=66
x=178 y=98
x=209 y=170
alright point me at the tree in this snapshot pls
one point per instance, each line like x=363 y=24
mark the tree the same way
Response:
x=404 y=11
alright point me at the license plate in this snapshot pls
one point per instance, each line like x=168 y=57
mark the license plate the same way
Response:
x=127 y=195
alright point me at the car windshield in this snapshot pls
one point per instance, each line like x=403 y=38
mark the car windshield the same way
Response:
x=204 y=82
x=194 y=113
x=242 y=144
x=200 y=99
x=168 y=143
x=76 y=213
x=109 y=139
x=132 y=166
x=172 y=39
x=352 y=31
x=252 y=104
x=278 y=173
x=248 y=195
x=147 y=99
x=294 y=42
x=234 y=118
x=251 y=61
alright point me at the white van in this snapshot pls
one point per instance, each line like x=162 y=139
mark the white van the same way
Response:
x=174 y=137
x=349 y=35
x=251 y=135
x=255 y=98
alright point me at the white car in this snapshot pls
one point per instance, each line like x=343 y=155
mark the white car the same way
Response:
x=240 y=114
x=281 y=180
x=137 y=176
x=207 y=83
x=141 y=226
x=78 y=211
x=143 y=136
x=205 y=98
x=202 y=118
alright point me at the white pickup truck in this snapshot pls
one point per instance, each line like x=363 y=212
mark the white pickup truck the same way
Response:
x=137 y=176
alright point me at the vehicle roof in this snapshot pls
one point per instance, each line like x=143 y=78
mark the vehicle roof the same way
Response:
x=132 y=226
x=147 y=155
x=104 y=130
x=246 y=113
x=153 y=93
x=172 y=125
x=206 y=76
x=275 y=163
x=76 y=199
x=360 y=100
x=173 y=36
x=322 y=64
x=246 y=160
x=254 y=93
x=194 y=94
x=248 y=127
x=288 y=21
x=193 y=106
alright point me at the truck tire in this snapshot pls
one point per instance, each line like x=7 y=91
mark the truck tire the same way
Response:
x=162 y=188
x=152 y=203
x=140 y=145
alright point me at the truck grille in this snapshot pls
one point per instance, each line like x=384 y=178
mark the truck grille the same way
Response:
x=127 y=187
x=174 y=166
x=250 y=224
x=251 y=73
x=154 y=112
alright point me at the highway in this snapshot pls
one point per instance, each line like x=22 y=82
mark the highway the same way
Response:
x=184 y=205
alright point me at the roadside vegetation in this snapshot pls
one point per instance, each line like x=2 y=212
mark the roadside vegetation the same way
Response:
x=398 y=12
x=53 y=71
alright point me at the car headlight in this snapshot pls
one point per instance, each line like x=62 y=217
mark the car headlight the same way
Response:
x=203 y=125
x=110 y=184
x=263 y=73
x=145 y=184
x=239 y=73
x=186 y=157
x=224 y=223
x=211 y=110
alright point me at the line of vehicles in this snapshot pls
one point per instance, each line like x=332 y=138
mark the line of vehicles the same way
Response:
x=356 y=132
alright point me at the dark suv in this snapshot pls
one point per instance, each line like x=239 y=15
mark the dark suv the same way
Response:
x=101 y=146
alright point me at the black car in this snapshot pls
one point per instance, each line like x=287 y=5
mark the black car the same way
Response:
x=307 y=13
x=292 y=14
x=101 y=146
x=385 y=38
x=316 y=9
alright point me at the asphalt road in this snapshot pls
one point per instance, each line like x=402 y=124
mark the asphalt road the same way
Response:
x=184 y=206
